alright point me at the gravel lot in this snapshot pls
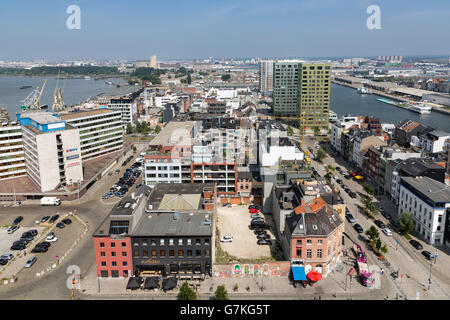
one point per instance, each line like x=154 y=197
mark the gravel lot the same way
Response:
x=234 y=222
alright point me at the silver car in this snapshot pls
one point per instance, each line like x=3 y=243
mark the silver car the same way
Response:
x=30 y=262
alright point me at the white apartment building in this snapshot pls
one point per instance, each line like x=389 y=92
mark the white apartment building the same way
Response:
x=433 y=141
x=52 y=150
x=128 y=108
x=12 y=155
x=338 y=127
x=361 y=144
x=428 y=201
x=100 y=131
x=161 y=101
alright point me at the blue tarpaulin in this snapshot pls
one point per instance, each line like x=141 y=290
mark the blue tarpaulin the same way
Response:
x=299 y=273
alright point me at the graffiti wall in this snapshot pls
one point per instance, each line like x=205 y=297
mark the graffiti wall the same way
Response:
x=268 y=269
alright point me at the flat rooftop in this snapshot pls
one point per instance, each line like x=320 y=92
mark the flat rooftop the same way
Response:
x=164 y=138
x=430 y=188
x=82 y=114
x=40 y=116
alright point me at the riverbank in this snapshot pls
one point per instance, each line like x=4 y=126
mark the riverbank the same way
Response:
x=434 y=107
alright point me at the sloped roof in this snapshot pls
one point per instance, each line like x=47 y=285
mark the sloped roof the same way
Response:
x=180 y=202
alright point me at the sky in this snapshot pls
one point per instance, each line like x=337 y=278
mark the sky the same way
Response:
x=197 y=29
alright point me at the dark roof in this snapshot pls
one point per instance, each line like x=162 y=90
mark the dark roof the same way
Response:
x=160 y=190
x=416 y=166
x=320 y=223
x=244 y=175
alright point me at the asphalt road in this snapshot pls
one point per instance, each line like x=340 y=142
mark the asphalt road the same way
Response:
x=93 y=210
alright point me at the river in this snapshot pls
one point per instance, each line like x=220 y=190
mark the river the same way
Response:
x=345 y=100
x=75 y=91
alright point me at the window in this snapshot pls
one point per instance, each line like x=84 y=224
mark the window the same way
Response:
x=124 y=254
x=171 y=253
x=299 y=253
x=102 y=244
x=207 y=252
x=162 y=253
x=103 y=263
x=124 y=244
x=153 y=242
x=180 y=253
x=319 y=253
x=189 y=242
x=119 y=227
x=308 y=241
x=153 y=253
x=114 y=273
x=180 y=242
x=113 y=254
x=198 y=242
x=309 y=253
x=198 y=253
x=189 y=253
x=113 y=244
x=161 y=242
x=114 y=264
x=136 y=253
x=102 y=254
x=171 y=242
x=145 y=253
x=319 y=242
x=104 y=273
x=206 y=242
x=124 y=264
x=299 y=242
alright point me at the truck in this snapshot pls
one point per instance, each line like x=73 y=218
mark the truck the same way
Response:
x=363 y=270
x=50 y=201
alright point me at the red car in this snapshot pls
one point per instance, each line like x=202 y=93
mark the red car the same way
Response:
x=253 y=210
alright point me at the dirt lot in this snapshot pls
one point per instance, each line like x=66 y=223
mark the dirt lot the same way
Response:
x=234 y=222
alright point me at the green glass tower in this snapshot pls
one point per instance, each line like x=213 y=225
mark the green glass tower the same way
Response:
x=302 y=89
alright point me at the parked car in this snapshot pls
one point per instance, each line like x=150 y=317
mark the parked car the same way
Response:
x=30 y=262
x=339 y=181
x=3 y=261
x=416 y=244
x=17 y=220
x=380 y=224
x=39 y=249
x=258 y=225
x=386 y=215
x=45 y=218
x=252 y=206
x=427 y=254
x=44 y=244
x=226 y=239
x=259 y=230
x=264 y=242
x=358 y=228
x=352 y=194
x=33 y=232
x=7 y=256
x=350 y=217
x=258 y=219
x=67 y=221
x=18 y=246
x=12 y=229
x=138 y=186
x=254 y=210
x=348 y=176
x=60 y=225
x=54 y=218
x=51 y=238
x=264 y=236
x=387 y=232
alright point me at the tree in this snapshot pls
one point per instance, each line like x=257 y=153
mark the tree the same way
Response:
x=384 y=248
x=134 y=148
x=378 y=243
x=183 y=81
x=369 y=189
x=373 y=233
x=226 y=77
x=129 y=128
x=405 y=222
x=189 y=78
x=321 y=154
x=186 y=293
x=316 y=131
x=290 y=131
x=157 y=129
x=221 y=293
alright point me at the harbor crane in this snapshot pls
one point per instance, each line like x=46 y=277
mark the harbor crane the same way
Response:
x=58 y=102
x=33 y=99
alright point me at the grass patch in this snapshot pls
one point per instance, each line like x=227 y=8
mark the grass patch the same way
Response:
x=407 y=236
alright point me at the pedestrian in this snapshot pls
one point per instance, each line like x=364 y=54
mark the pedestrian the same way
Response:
x=24 y=253
x=320 y=298
x=382 y=271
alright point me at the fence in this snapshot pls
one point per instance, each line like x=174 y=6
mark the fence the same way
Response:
x=266 y=269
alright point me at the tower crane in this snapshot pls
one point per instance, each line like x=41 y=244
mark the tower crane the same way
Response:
x=32 y=100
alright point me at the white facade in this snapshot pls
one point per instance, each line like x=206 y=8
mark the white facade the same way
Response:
x=266 y=76
x=162 y=171
x=433 y=141
x=337 y=128
x=12 y=156
x=128 y=110
x=160 y=102
x=429 y=220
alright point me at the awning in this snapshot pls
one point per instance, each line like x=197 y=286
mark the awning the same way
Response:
x=134 y=283
x=169 y=283
x=299 y=273
x=151 y=283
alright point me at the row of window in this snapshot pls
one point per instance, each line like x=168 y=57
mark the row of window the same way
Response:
x=113 y=244
x=171 y=242
x=114 y=264
x=171 y=253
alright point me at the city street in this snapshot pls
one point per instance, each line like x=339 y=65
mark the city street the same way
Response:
x=90 y=209
x=413 y=268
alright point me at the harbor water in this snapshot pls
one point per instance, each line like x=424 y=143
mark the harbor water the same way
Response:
x=345 y=100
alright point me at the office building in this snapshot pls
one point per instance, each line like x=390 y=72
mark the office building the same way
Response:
x=266 y=77
x=52 y=150
x=100 y=131
x=12 y=154
x=128 y=107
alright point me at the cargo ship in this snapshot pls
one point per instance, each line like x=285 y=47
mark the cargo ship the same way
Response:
x=418 y=108
x=26 y=87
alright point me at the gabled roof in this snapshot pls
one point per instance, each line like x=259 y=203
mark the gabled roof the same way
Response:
x=180 y=202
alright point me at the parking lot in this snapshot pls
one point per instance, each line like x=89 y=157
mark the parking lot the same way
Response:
x=234 y=221
x=65 y=238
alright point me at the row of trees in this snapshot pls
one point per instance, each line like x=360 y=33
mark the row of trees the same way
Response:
x=321 y=154
x=149 y=74
x=375 y=241
x=141 y=127
x=186 y=293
